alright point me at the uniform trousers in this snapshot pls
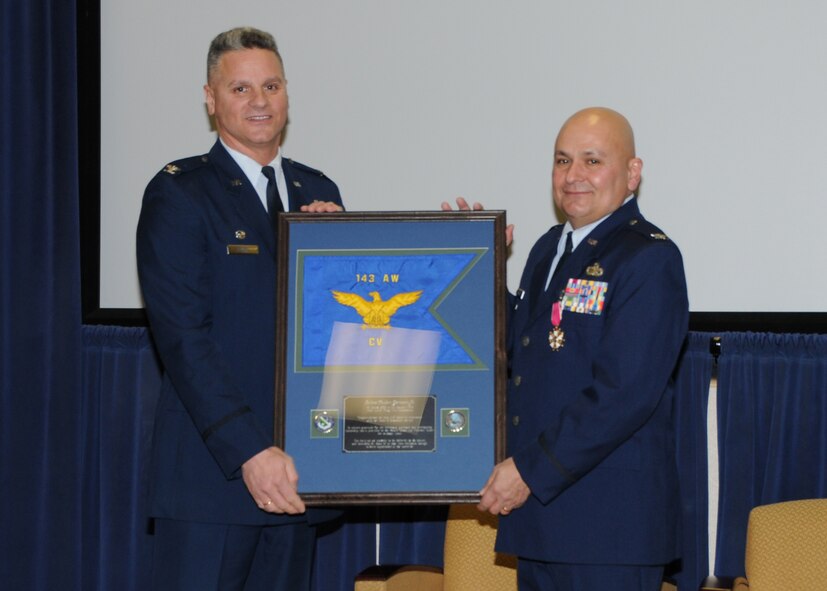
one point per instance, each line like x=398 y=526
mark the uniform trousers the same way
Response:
x=193 y=556
x=533 y=575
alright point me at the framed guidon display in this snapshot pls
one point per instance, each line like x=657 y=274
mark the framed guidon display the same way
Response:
x=390 y=345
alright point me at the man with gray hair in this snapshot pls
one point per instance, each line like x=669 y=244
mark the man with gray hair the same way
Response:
x=227 y=514
x=236 y=40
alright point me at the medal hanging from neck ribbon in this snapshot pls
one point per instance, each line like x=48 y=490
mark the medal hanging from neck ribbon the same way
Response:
x=556 y=336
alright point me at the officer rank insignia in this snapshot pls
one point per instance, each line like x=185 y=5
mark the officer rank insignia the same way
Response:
x=585 y=296
x=171 y=169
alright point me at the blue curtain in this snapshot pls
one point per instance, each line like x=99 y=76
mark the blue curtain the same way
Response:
x=43 y=534
x=121 y=383
x=692 y=381
x=772 y=424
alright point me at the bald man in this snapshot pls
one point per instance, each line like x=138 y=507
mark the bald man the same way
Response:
x=588 y=497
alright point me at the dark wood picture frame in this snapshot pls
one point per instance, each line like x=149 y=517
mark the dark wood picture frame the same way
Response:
x=288 y=289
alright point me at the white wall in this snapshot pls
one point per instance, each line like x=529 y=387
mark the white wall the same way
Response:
x=407 y=104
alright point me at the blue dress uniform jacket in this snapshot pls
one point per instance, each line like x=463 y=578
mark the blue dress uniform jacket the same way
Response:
x=589 y=425
x=212 y=316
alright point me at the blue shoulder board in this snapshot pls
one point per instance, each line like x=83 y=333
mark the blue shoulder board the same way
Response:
x=185 y=165
x=305 y=168
x=647 y=229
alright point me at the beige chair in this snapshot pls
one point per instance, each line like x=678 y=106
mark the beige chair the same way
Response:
x=786 y=548
x=470 y=561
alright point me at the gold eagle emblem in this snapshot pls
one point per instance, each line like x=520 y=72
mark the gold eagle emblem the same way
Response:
x=376 y=313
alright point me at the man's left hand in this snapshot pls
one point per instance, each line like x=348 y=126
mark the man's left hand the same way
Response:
x=505 y=489
x=462 y=205
x=322 y=207
x=271 y=479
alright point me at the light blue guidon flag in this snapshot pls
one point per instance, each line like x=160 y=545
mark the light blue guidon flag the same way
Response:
x=368 y=308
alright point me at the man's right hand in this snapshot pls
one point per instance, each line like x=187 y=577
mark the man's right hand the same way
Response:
x=462 y=205
x=272 y=480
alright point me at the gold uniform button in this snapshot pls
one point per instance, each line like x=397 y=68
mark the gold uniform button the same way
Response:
x=515 y=420
x=517 y=380
x=525 y=341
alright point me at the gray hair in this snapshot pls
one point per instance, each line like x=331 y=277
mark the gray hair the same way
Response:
x=239 y=38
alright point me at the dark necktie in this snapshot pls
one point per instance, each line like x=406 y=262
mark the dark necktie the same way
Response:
x=563 y=257
x=273 y=201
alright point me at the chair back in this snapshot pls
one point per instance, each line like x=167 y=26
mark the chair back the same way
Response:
x=470 y=561
x=787 y=546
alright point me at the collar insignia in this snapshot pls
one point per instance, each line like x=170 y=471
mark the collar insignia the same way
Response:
x=297 y=184
x=594 y=270
x=592 y=242
x=632 y=222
